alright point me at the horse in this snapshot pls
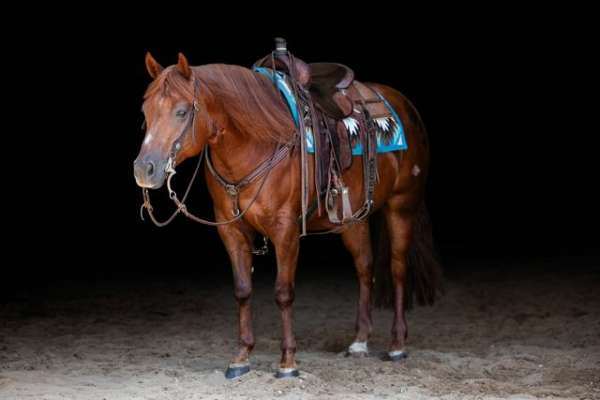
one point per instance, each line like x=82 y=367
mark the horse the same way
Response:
x=238 y=116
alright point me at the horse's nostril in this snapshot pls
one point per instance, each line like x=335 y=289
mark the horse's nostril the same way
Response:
x=150 y=168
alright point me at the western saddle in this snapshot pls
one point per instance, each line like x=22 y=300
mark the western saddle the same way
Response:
x=327 y=94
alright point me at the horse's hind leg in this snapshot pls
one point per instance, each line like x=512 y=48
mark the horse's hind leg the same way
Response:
x=238 y=242
x=399 y=225
x=358 y=242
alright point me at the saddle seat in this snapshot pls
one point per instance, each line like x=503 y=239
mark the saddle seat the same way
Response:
x=327 y=85
x=327 y=75
x=326 y=82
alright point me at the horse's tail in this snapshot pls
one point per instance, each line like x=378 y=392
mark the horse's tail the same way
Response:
x=424 y=272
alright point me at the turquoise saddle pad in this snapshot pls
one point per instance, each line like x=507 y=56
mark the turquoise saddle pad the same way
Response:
x=390 y=132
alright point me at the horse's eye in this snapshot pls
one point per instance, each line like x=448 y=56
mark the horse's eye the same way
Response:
x=181 y=113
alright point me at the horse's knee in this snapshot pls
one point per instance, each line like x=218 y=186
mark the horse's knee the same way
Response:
x=284 y=295
x=242 y=291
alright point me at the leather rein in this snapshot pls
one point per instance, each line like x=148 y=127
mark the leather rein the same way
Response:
x=233 y=189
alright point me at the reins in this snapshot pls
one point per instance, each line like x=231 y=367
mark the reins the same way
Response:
x=172 y=195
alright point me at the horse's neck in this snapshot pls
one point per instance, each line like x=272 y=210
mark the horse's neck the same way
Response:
x=236 y=156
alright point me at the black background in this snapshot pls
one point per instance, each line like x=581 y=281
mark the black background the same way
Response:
x=512 y=171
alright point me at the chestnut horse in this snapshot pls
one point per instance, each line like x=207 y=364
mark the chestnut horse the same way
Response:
x=242 y=118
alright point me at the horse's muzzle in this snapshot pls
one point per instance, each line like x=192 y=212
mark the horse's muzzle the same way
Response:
x=149 y=173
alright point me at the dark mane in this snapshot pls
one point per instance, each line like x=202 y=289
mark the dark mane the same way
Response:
x=251 y=101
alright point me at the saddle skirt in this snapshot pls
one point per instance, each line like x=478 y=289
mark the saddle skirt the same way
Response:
x=388 y=125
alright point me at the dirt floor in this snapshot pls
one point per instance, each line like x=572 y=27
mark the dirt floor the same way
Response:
x=495 y=334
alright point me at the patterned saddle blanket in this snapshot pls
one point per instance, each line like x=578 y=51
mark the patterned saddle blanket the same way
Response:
x=390 y=131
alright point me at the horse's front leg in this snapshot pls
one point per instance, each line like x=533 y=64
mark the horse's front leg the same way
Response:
x=238 y=241
x=286 y=239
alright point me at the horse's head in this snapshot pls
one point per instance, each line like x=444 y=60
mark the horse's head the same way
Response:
x=174 y=130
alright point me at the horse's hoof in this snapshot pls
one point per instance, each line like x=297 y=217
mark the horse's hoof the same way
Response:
x=397 y=355
x=236 y=370
x=358 y=349
x=287 y=373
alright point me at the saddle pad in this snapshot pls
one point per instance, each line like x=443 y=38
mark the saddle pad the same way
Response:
x=390 y=132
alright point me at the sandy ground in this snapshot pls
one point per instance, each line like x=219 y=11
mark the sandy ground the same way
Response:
x=495 y=334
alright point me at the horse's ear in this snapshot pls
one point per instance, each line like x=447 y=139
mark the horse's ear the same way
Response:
x=184 y=67
x=153 y=67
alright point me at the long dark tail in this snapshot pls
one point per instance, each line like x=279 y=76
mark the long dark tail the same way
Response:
x=424 y=272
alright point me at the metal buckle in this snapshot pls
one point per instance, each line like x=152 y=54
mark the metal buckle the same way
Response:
x=231 y=190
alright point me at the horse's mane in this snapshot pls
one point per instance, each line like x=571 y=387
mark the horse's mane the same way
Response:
x=251 y=101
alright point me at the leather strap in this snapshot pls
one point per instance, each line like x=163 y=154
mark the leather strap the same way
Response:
x=233 y=189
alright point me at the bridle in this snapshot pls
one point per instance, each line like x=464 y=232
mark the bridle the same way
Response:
x=233 y=189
